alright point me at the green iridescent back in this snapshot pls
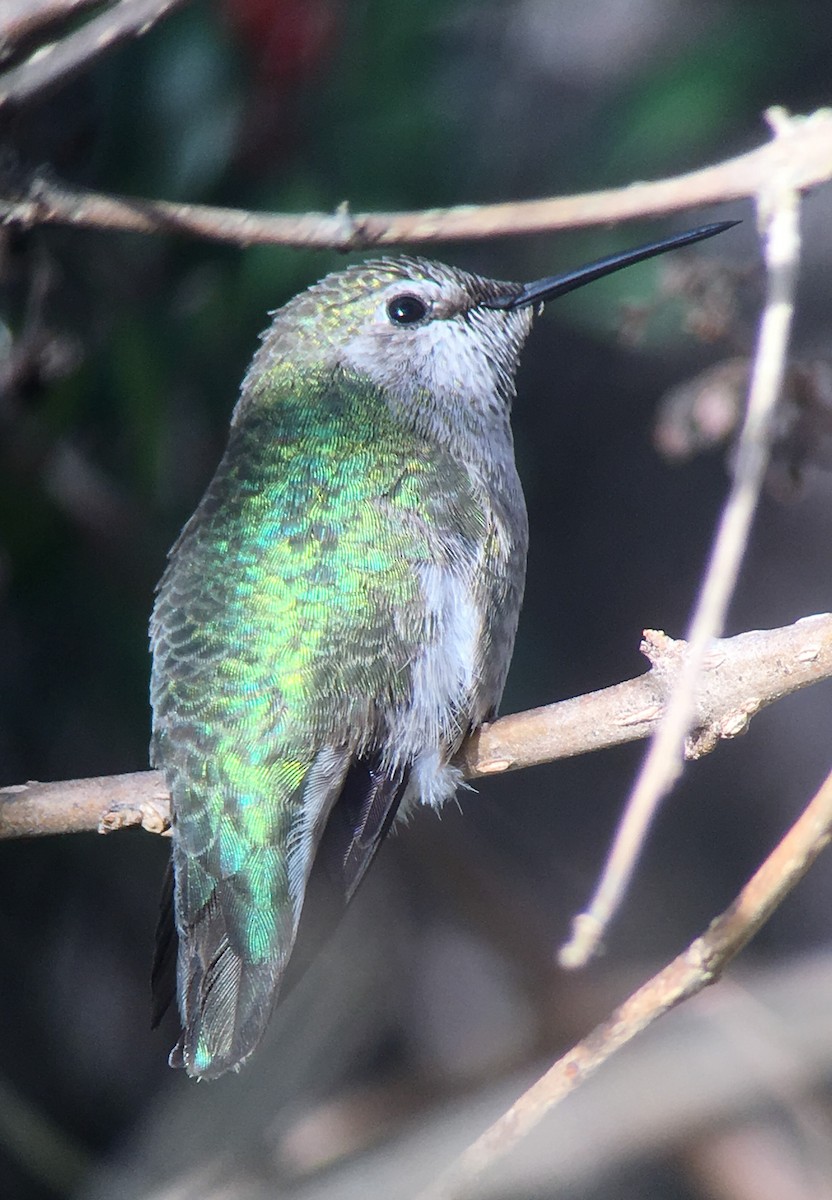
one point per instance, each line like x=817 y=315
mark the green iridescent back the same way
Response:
x=285 y=630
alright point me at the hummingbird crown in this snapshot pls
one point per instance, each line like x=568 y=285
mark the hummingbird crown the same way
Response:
x=421 y=332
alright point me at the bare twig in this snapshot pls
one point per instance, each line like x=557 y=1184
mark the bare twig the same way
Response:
x=81 y=805
x=742 y=675
x=800 y=154
x=682 y=1079
x=25 y=22
x=778 y=207
x=699 y=965
x=53 y=65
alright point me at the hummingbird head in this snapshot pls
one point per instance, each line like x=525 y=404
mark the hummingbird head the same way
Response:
x=423 y=333
x=440 y=345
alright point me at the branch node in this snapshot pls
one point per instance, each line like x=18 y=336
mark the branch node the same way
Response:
x=584 y=943
x=700 y=742
x=496 y=766
x=664 y=653
x=152 y=814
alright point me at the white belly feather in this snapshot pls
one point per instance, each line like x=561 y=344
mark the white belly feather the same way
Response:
x=444 y=684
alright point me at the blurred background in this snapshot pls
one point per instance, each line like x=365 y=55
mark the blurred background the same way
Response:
x=120 y=360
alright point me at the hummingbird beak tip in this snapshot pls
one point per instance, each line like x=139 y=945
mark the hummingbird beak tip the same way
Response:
x=542 y=290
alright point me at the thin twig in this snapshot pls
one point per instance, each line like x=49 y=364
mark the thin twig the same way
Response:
x=743 y=674
x=53 y=65
x=24 y=23
x=800 y=152
x=699 y=965
x=779 y=212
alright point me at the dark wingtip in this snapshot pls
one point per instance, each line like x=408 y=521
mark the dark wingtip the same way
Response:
x=163 y=973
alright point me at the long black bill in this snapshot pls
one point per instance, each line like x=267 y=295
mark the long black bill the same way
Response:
x=558 y=285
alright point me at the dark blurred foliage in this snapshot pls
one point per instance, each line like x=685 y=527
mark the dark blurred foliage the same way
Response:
x=121 y=360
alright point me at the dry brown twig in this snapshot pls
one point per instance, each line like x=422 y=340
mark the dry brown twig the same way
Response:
x=51 y=66
x=742 y=675
x=698 y=966
x=799 y=154
x=24 y=23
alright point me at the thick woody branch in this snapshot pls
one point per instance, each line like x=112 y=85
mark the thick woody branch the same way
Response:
x=741 y=675
x=800 y=154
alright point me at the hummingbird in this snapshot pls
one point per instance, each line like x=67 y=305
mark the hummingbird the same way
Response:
x=337 y=616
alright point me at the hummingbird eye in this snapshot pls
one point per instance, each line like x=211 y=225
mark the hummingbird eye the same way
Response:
x=406 y=310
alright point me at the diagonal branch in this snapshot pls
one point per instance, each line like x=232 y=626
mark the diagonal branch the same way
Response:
x=24 y=23
x=741 y=675
x=701 y=964
x=800 y=153
x=50 y=66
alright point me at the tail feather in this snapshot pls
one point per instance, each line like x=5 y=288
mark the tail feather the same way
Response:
x=226 y=993
x=227 y=1002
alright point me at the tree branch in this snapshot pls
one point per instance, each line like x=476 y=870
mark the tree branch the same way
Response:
x=701 y=964
x=50 y=66
x=24 y=23
x=778 y=208
x=741 y=675
x=800 y=154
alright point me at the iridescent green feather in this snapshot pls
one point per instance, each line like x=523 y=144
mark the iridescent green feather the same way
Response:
x=289 y=616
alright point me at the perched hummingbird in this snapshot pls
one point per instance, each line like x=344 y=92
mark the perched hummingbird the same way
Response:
x=338 y=614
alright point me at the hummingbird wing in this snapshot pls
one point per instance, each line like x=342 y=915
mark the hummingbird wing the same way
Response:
x=288 y=633
x=359 y=822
